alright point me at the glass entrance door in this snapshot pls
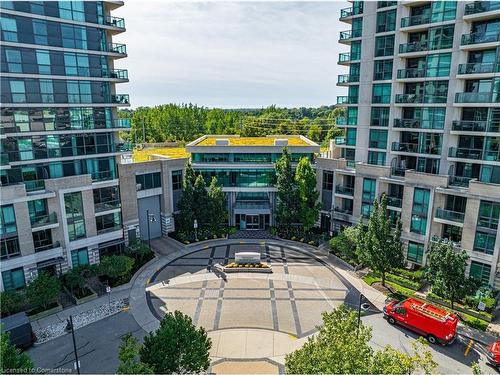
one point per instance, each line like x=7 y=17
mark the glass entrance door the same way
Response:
x=252 y=222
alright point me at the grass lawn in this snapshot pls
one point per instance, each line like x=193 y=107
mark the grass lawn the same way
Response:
x=170 y=152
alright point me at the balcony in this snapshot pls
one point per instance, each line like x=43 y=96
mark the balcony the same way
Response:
x=115 y=22
x=349 y=12
x=394 y=201
x=124 y=147
x=347 y=100
x=411 y=73
x=41 y=221
x=407 y=123
x=108 y=229
x=347 y=78
x=117 y=48
x=449 y=215
x=344 y=190
x=481 y=7
x=120 y=99
x=340 y=141
x=436 y=239
x=125 y=123
x=415 y=148
x=423 y=19
x=341 y=121
x=459 y=181
x=476 y=126
x=51 y=246
x=106 y=206
x=425 y=46
x=349 y=34
x=118 y=74
x=420 y=98
x=480 y=38
x=34 y=185
x=346 y=58
x=478 y=68
x=103 y=176
x=4 y=157
x=476 y=97
x=474 y=154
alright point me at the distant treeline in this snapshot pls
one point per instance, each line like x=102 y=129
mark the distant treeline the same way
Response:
x=186 y=122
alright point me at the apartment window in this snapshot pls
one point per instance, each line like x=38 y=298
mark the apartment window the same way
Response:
x=379 y=116
x=13 y=58
x=42 y=239
x=385 y=4
x=438 y=65
x=74 y=215
x=378 y=139
x=382 y=70
x=415 y=252
x=9 y=29
x=72 y=10
x=386 y=21
x=13 y=279
x=76 y=64
x=79 y=257
x=74 y=36
x=369 y=187
x=384 y=45
x=376 y=158
x=46 y=91
x=381 y=93
x=490 y=174
x=327 y=180
x=441 y=37
x=352 y=115
x=356 y=50
x=480 y=271
x=443 y=11
x=350 y=137
x=366 y=210
x=177 y=180
x=18 y=91
x=9 y=248
x=37 y=208
x=40 y=32
x=484 y=242
x=357 y=27
x=148 y=181
x=420 y=211
x=107 y=197
x=79 y=92
x=7 y=220
x=108 y=223
x=489 y=213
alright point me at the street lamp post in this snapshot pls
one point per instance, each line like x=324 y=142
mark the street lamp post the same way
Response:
x=150 y=218
x=195 y=226
x=70 y=326
x=359 y=312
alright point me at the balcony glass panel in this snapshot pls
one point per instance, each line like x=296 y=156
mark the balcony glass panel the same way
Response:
x=476 y=97
x=450 y=215
x=411 y=73
x=477 y=154
x=347 y=78
x=476 y=126
x=38 y=221
x=477 y=38
x=478 y=68
x=417 y=124
x=345 y=190
x=420 y=98
x=481 y=6
x=416 y=148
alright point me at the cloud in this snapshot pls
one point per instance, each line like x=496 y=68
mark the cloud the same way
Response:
x=231 y=54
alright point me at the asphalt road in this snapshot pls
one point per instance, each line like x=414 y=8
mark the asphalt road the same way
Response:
x=97 y=346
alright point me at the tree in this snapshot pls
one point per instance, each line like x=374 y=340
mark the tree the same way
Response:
x=11 y=302
x=380 y=247
x=341 y=348
x=309 y=206
x=129 y=357
x=74 y=280
x=177 y=346
x=200 y=202
x=446 y=272
x=287 y=192
x=184 y=219
x=115 y=266
x=11 y=358
x=216 y=205
x=43 y=291
x=189 y=175
x=345 y=243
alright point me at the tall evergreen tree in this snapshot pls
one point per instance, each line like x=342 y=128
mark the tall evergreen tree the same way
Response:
x=189 y=175
x=185 y=218
x=381 y=248
x=287 y=192
x=216 y=205
x=309 y=206
x=200 y=201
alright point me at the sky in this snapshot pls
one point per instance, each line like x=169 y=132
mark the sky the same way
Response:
x=238 y=54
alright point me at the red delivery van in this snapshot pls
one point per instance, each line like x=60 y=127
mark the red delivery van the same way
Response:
x=437 y=325
x=494 y=354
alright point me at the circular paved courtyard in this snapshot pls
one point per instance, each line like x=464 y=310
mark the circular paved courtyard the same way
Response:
x=288 y=301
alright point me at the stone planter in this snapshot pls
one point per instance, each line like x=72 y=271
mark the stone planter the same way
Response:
x=247 y=270
x=45 y=313
x=79 y=301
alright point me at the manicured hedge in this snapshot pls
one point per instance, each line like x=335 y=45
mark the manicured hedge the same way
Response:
x=476 y=314
x=403 y=281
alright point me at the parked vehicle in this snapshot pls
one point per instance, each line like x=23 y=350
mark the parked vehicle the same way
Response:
x=19 y=327
x=494 y=354
x=434 y=323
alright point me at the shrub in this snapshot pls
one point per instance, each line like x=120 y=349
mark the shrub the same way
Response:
x=11 y=302
x=403 y=281
x=416 y=275
x=115 y=266
x=43 y=291
x=73 y=280
x=474 y=322
x=139 y=251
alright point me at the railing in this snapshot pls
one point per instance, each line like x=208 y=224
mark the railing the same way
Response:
x=85 y=124
x=475 y=154
x=349 y=34
x=426 y=46
x=347 y=100
x=450 y=215
x=412 y=73
x=422 y=19
x=378 y=144
x=416 y=148
x=118 y=73
x=459 y=181
x=4 y=158
x=106 y=206
x=394 y=201
x=476 y=97
x=487 y=222
x=417 y=124
x=477 y=38
x=120 y=99
x=115 y=22
x=39 y=221
x=51 y=246
x=124 y=147
x=420 y=98
x=340 y=140
x=478 y=68
x=117 y=48
x=348 y=12
x=476 y=126
x=481 y=6
x=341 y=121
x=437 y=239
x=34 y=185
x=123 y=123
x=385 y=4
x=103 y=175
x=346 y=57
x=347 y=78
x=398 y=171
x=109 y=229
x=345 y=190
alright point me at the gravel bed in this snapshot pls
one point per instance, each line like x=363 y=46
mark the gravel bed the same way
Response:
x=80 y=320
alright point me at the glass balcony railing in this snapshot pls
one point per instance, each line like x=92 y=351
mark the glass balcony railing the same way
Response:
x=120 y=99
x=39 y=221
x=117 y=48
x=108 y=229
x=347 y=100
x=83 y=124
x=475 y=154
x=103 y=175
x=437 y=239
x=478 y=38
x=481 y=6
x=51 y=246
x=340 y=140
x=478 y=68
x=405 y=123
x=423 y=19
x=348 y=57
x=411 y=73
x=122 y=123
x=106 y=206
x=426 y=46
x=416 y=148
x=348 y=12
x=449 y=215
x=420 y=98
x=394 y=201
x=4 y=158
x=118 y=74
x=347 y=78
x=341 y=121
x=476 y=97
x=115 y=22
x=349 y=34
x=476 y=126
x=459 y=181
x=344 y=190
x=340 y=210
x=34 y=185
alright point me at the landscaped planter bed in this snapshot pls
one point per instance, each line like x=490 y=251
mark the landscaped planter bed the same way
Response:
x=234 y=268
x=37 y=314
